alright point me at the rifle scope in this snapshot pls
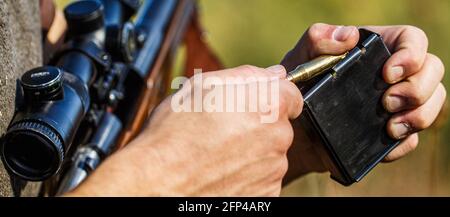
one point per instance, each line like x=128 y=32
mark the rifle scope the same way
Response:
x=56 y=99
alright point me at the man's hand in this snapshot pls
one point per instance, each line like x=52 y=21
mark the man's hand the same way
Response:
x=415 y=97
x=206 y=153
x=54 y=25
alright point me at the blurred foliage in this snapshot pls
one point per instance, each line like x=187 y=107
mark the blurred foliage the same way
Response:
x=260 y=32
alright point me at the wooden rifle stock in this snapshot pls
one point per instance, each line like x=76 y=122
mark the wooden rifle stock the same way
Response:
x=184 y=25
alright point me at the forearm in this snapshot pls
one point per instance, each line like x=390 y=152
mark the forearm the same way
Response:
x=127 y=172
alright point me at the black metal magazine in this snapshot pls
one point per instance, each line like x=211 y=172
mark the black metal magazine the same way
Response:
x=343 y=112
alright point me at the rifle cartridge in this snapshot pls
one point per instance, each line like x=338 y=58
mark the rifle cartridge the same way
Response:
x=313 y=68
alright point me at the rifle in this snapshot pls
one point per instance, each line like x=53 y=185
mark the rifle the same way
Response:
x=97 y=92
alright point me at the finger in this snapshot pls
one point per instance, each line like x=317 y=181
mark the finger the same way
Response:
x=292 y=95
x=278 y=70
x=291 y=99
x=407 y=145
x=408 y=122
x=409 y=45
x=322 y=39
x=245 y=71
x=417 y=89
x=330 y=39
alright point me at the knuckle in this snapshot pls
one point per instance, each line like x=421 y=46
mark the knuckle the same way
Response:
x=284 y=166
x=282 y=105
x=298 y=96
x=295 y=90
x=417 y=95
x=247 y=68
x=288 y=134
x=281 y=169
x=278 y=145
x=417 y=31
x=275 y=191
x=437 y=63
x=415 y=60
x=290 y=95
x=442 y=89
x=314 y=32
x=421 y=121
x=283 y=135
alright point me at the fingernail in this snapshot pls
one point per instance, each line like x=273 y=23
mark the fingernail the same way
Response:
x=277 y=69
x=394 y=103
x=400 y=130
x=342 y=33
x=395 y=73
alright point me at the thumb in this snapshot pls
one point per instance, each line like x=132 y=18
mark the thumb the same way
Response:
x=321 y=39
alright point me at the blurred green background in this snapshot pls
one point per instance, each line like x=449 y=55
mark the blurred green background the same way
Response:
x=260 y=32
